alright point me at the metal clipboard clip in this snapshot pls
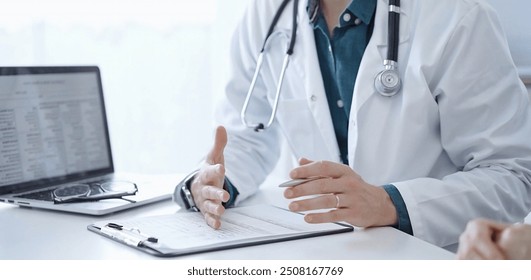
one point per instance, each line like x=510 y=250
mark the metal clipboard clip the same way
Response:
x=130 y=236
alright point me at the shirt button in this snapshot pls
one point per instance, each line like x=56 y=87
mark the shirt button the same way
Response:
x=340 y=103
x=346 y=17
x=313 y=98
x=357 y=21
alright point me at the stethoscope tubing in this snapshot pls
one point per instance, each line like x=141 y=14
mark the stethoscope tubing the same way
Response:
x=393 y=30
x=261 y=126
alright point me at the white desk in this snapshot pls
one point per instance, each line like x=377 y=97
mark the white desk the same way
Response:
x=40 y=234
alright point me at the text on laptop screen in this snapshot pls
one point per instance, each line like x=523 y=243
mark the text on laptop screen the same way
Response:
x=51 y=125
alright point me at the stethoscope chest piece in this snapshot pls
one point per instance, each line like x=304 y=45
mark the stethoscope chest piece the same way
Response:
x=387 y=82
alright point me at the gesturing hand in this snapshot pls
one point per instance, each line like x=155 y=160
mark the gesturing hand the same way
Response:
x=207 y=187
x=340 y=188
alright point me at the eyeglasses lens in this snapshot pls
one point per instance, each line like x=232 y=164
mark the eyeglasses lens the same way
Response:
x=118 y=187
x=72 y=190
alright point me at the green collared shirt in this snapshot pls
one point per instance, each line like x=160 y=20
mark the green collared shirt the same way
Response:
x=340 y=57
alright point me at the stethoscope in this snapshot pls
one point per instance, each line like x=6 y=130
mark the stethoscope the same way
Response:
x=387 y=82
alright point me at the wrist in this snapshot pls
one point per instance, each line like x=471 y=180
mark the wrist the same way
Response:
x=189 y=198
x=185 y=192
x=389 y=216
x=233 y=193
x=402 y=221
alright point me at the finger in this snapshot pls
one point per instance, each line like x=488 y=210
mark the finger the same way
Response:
x=492 y=224
x=464 y=249
x=481 y=243
x=462 y=252
x=212 y=174
x=212 y=220
x=488 y=233
x=214 y=193
x=319 y=186
x=213 y=207
x=488 y=250
x=470 y=255
x=320 y=168
x=315 y=203
x=304 y=161
x=220 y=141
x=497 y=231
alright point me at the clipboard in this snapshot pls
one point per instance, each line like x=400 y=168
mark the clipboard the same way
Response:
x=185 y=233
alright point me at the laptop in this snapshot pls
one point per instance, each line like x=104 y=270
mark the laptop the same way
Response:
x=54 y=137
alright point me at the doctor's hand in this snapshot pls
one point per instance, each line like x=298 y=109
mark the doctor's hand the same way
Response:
x=207 y=187
x=350 y=198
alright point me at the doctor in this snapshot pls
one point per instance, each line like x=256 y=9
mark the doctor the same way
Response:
x=453 y=144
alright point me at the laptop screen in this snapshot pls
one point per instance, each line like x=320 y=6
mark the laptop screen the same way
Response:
x=53 y=126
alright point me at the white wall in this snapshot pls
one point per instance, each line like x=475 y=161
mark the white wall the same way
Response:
x=162 y=64
x=514 y=16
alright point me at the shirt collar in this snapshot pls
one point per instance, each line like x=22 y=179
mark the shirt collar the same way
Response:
x=312 y=9
x=363 y=9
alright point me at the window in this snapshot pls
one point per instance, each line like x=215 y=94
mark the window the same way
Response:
x=162 y=64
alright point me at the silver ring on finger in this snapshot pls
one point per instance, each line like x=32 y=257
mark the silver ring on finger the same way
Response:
x=337 y=201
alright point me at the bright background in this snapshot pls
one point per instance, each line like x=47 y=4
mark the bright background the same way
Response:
x=163 y=65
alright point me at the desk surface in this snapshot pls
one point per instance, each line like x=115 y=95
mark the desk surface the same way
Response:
x=41 y=234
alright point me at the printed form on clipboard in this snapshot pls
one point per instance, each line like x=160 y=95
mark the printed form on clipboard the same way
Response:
x=187 y=233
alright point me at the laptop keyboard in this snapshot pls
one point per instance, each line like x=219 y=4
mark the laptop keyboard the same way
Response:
x=42 y=195
x=47 y=195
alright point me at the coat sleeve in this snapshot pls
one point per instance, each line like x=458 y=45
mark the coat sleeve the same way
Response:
x=485 y=128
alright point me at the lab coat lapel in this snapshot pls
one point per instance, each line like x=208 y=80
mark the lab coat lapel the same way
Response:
x=376 y=52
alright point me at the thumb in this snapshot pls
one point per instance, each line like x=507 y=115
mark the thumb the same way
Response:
x=304 y=161
x=215 y=156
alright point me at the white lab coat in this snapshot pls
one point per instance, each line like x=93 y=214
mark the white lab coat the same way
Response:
x=456 y=140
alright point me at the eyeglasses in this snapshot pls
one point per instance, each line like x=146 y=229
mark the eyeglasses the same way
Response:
x=94 y=191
